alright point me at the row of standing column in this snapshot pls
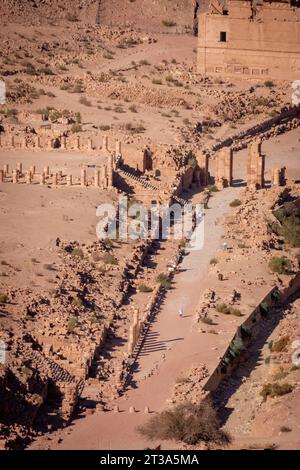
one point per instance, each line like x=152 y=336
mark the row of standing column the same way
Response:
x=63 y=142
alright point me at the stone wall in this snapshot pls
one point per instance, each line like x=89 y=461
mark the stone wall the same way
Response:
x=248 y=329
x=258 y=40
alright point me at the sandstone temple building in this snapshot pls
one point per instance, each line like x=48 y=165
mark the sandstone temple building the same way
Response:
x=258 y=38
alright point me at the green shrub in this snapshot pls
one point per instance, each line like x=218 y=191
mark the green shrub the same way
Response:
x=212 y=188
x=281 y=344
x=285 y=429
x=235 y=203
x=275 y=390
x=108 y=258
x=192 y=162
x=72 y=324
x=3 y=298
x=187 y=423
x=76 y=128
x=85 y=101
x=144 y=288
x=163 y=280
x=77 y=252
x=289 y=217
x=228 y=310
x=77 y=302
x=168 y=23
x=269 y=84
x=264 y=309
x=280 y=265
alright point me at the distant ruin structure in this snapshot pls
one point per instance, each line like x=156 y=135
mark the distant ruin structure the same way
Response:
x=258 y=38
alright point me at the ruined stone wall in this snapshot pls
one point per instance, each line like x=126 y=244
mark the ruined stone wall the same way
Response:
x=251 y=42
x=274 y=298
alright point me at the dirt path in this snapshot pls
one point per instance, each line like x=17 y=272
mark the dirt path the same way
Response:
x=173 y=345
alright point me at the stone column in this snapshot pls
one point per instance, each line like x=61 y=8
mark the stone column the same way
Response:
x=224 y=168
x=90 y=144
x=69 y=180
x=77 y=143
x=54 y=181
x=97 y=178
x=63 y=142
x=118 y=148
x=203 y=162
x=110 y=171
x=32 y=169
x=38 y=142
x=12 y=141
x=103 y=177
x=1 y=176
x=282 y=176
x=83 y=181
x=255 y=166
x=15 y=176
x=105 y=143
x=28 y=177
x=20 y=168
x=49 y=144
x=6 y=169
x=42 y=179
x=24 y=143
x=46 y=170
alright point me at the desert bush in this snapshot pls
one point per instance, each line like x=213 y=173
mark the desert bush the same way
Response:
x=133 y=109
x=280 y=375
x=281 y=344
x=46 y=71
x=192 y=162
x=163 y=280
x=168 y=23
x=235 y=203
x=85 y=101
x=188 y=423
x=213 y=261
x=280 y=265
x=3 y=298
x=228 y=310
x=77 y=302
x=72 y=324
x=77 y=252
x=144 y=288
x=76 y=128
x=108 y=258
x=212 y=188
x=71 y=17
x=269 y=84
x=285 y=429
x=207 y=320
x=275 y=390
x=156 y=81
x=108 y=55
x=289 y=217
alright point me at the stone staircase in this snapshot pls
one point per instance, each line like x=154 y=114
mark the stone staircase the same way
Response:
x=137 y=179
x=55 y=371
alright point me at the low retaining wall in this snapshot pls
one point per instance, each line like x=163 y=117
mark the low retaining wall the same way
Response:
x=247 y=330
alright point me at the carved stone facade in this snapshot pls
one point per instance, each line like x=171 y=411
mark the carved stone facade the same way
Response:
x=258 y=39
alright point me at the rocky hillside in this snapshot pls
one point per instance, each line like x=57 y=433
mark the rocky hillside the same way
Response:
x=156 y=15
